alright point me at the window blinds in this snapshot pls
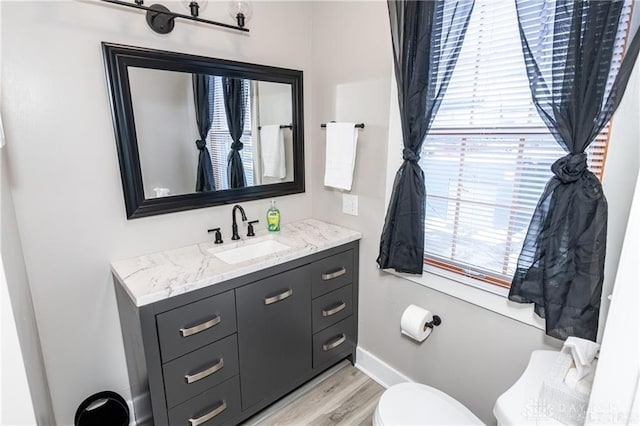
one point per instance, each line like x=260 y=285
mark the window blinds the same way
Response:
x=488 y=155
x=220 y=140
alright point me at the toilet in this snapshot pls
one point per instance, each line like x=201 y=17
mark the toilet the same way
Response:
x=418 y=404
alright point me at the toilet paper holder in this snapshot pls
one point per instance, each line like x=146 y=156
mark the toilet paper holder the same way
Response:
x=436 y=321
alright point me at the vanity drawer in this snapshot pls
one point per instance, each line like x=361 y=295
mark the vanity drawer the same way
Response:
x=331 y=273
x=332 y=307
x=334 y=342
x=217 y=406
x=200 y=370
x=195 y=325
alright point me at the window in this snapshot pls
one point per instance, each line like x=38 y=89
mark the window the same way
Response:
x=488 y=155
x=220 y=140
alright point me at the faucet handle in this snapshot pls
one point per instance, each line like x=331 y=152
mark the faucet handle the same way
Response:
x=218 y=235
x=250 y=232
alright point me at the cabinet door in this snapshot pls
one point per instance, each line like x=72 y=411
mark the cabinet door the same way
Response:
x=274 y=334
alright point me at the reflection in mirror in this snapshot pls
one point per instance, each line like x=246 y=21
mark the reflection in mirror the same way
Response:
x=194 y=132
x=167 y=130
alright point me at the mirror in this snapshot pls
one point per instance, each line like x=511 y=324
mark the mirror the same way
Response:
x=195 y=132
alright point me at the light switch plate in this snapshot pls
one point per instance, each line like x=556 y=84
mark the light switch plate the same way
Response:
x=350 y=204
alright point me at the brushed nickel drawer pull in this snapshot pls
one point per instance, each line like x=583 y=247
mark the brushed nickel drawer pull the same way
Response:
x=190 y=378
x=279 y=297
x=331 y=275
x=334 y=344
x=185 y=332
x=211 y=414
x=333 y=311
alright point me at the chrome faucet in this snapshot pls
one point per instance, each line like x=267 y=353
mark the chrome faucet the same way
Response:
x=234 y=226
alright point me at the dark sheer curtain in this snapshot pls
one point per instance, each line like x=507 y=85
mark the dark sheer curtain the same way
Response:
x=568 y=50
x=202 y=85
x=234 y=91
x=427 y=37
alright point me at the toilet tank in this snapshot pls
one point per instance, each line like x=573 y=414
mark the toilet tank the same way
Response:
x=519 y=404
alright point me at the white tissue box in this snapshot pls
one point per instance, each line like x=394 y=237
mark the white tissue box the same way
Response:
x=563 y=403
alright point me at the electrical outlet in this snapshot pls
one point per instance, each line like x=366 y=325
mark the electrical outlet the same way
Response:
x=350 y=204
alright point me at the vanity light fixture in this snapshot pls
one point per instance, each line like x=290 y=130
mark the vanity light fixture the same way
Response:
x=161 y=19
x=241 y=11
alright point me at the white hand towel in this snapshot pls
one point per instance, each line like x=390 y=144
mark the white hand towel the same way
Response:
x=342 y=140
x=583 y=352
x=272 y=146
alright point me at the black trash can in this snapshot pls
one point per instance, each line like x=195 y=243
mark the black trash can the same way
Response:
x=103 y=409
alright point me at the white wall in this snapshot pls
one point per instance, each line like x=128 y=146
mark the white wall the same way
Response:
x=618 y=373
x=166 y=129
x=23 y=384
x=620 y=173
x=65 y=176
x=24 y=391
x=16 y=404
x=476 y=354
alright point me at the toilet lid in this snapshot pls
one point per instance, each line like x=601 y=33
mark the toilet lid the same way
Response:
x=413 y=403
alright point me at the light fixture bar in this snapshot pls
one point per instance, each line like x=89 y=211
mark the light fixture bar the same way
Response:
x=173 y=15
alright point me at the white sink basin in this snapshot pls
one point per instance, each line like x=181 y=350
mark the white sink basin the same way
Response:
x=249 y=250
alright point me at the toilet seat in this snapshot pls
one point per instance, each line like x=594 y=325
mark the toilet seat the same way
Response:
x=417 y=404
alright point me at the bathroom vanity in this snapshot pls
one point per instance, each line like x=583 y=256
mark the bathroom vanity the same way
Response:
x=215 y=333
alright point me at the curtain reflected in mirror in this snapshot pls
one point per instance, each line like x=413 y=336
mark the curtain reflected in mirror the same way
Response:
x=241 y=128
x=202 y=99
x=235 y=102
x=221 y=139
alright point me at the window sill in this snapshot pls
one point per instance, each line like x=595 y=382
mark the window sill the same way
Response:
x=476 y=292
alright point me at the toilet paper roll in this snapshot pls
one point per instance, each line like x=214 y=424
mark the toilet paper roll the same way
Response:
x=413 y=323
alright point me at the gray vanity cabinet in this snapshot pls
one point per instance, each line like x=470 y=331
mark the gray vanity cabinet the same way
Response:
x=220 y=354
x=274 y=329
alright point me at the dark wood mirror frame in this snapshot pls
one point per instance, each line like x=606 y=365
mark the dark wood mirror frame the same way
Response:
x=117 y=60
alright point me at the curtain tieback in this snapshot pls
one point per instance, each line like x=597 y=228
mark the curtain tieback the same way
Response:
x=201 y=145
x=570 y=167
x=409 y=155
x=237 y=146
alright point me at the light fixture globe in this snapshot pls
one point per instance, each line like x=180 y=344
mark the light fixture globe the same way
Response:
x=241 y=11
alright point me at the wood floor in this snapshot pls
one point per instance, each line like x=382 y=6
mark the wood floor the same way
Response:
x=344 y=397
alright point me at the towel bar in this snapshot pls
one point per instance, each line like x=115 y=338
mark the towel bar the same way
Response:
x=282 y=126
x=358 y=125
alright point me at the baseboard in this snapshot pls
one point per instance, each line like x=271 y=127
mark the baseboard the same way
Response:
x=378 y=370
x=142 y=402
x=132 y=413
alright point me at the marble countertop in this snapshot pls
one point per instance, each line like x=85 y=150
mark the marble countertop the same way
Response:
x=161 y=275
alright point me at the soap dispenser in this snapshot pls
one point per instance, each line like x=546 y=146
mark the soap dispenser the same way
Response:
x=273 y=217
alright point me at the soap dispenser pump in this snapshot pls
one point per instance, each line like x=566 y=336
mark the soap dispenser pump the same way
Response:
x=273 y=217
